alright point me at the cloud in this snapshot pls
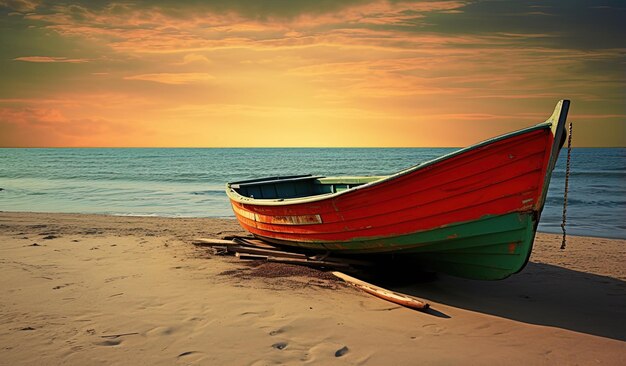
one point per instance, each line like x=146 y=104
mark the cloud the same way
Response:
x=583 y=24
x=194 y=58
x=173 y=78
x=46 y=59
x=35 y=125
x=20 y=5
x=146 y=28
x=403 y=13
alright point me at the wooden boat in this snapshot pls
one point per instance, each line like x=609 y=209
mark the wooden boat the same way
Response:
x=472 y=213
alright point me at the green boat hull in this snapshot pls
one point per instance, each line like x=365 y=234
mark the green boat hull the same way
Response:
x=490 y=248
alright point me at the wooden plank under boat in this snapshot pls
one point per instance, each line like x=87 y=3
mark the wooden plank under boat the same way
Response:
x=472 y=213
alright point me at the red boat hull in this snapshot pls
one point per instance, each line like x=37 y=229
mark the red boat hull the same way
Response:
x=503 y=177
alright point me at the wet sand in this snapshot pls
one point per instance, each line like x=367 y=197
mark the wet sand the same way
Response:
x=93 y=289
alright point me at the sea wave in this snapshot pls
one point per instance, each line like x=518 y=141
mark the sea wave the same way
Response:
x=209 y=193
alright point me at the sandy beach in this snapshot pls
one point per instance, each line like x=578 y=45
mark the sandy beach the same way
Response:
x=92 y=289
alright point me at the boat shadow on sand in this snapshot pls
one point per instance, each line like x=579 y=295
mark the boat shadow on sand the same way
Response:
x=541 y=294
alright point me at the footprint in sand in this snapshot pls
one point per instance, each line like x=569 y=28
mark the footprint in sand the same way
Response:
x=111 y=279
x=61 y=286
x=280 y=345
x=434 y=328
x=110 y=342
x=162 y=331
x=190 y=357
x=341 y=351
x=277 y=331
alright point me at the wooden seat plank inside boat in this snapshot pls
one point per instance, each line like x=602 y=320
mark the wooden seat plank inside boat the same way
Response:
x=297 y=186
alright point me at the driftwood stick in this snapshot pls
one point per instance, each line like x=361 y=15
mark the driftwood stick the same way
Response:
x=219 y=248
x=397 y=298
x=270 y=252
x=250 y=256
x=233 y=237
x=246 y=248
x=308 y=262
x=212 y=242
x=254 y=243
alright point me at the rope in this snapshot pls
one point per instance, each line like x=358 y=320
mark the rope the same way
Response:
x=569 y=155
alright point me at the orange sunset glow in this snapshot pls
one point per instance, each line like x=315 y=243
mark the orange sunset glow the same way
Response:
x=306 y=73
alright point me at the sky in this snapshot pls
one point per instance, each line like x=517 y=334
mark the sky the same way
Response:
x=300 y=73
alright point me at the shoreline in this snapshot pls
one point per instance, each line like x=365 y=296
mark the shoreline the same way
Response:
x=234 y=219
x=103 y=289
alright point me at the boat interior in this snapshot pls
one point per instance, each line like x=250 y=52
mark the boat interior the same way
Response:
x=297 y=186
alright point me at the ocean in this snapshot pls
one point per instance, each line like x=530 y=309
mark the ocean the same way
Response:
x=189 y=182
